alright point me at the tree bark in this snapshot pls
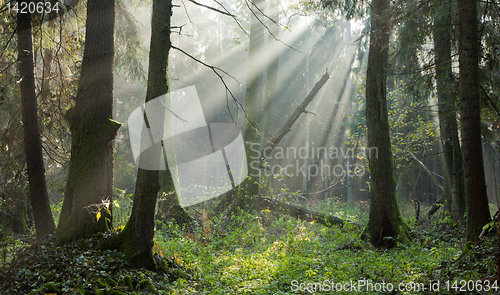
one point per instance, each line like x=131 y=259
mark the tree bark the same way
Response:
x=385 y=224
x=458 y=203
x=44 y=223
x=442 y=47
x=478 y=213
x=90 y=180
x=136 y=239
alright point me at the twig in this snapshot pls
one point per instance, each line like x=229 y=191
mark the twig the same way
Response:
x=233 y=16
x=211 y=8
x=266 y=16
x=214 y=69
x=491 y=101
x=267 y=28
x=426 y=170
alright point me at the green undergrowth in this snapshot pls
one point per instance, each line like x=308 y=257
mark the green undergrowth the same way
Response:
x=261 y=253
x=43 y=267
x=274 y=254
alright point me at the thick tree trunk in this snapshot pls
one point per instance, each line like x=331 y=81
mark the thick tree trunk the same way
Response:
x=90 y=180
x=136 y=239
x=478 y=213
x=44 y=223
x=385 y=224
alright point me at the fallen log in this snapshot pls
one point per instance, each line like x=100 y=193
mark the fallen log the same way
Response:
x=435 y=207
x=297 y=211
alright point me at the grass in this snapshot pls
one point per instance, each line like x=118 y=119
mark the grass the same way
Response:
x=262 y=253
x=270 y=254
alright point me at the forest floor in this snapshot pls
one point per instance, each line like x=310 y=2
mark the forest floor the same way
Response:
x=263 y=254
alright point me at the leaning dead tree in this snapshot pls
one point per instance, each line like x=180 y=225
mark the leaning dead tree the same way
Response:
x=295 y=115
x=439 y=202
x=261 y=202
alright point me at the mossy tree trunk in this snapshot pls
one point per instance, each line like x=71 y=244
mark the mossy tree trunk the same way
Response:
x=136 y=239
x=90 y=180
x=478 y=213
x=44 y=223
x=385 y=224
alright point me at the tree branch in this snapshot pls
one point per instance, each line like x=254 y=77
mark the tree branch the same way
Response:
x=214 y=69
x=233 y=16
x=295 y=115
x=211 y=8
x=267 y=28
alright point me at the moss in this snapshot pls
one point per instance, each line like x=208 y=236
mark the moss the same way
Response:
x=112 y=282
x=116 y=292
x=102 y=283
x=128 y=282
x=50 y=287
x=88 y=181
x=147 y=284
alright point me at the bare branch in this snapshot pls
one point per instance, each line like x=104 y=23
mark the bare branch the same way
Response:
x=491 y=101
x=211 y=8
x=267 y=28
x=187 y=14
x=269 y=18
x=233 y=16
x=215 y=70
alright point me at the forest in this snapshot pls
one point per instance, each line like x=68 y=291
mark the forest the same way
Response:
x=249 y=147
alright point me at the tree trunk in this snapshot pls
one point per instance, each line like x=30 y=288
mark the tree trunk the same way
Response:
x=253 y=104
x=47 y=65
x=136 y=239
x=442 y=47
x=385 y=224
x=89 y=188
x=458 y=203
x=478 y=213
x=44 y=223
x=272 y=73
